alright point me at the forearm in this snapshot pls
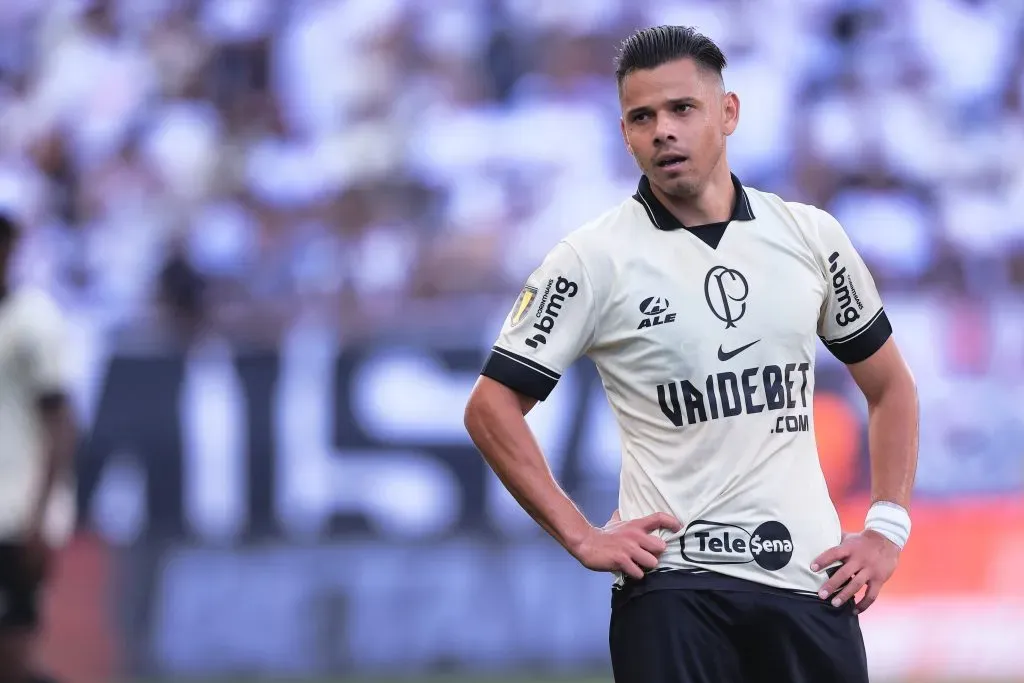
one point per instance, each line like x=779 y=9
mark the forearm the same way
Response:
x=893 y=442
x=496 y=424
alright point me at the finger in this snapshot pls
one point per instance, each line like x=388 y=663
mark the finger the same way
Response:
x=644 y=558
x=844 y=574
x=874 y=588
x=630 y=568
x=852 y=588
x=615 y=517
x=830 y=557
x=659 y=520
x=652 y=544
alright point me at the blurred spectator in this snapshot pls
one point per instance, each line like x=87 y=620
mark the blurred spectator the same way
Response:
x=182 y=294
x=346 y=150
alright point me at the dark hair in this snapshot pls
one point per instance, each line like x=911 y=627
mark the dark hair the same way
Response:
x=651 y=47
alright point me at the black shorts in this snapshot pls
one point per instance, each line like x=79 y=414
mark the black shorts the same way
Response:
x=19 y=592
x=677 y=628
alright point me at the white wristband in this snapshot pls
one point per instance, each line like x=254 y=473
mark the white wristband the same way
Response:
x=890 y=520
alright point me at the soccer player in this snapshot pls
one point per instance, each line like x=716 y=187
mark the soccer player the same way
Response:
x=36 y=445
x=700 y=302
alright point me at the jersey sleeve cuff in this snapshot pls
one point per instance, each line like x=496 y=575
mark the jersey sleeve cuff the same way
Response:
x=520 y=374
x=863 y=343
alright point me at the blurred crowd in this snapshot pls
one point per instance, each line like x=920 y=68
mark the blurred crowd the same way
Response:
x=236 y=164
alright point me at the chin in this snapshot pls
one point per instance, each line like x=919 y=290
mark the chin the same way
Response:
x=680 y=187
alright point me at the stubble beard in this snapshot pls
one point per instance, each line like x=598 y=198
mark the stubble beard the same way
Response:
x=683 y=189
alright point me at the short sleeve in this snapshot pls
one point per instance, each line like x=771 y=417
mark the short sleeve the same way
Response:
x=551 y=325
x=852 y=323
x=48 y=367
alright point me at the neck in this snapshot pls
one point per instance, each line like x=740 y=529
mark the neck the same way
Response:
x=713 y=204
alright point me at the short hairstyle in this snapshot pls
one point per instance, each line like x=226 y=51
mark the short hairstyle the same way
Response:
x=651 y=47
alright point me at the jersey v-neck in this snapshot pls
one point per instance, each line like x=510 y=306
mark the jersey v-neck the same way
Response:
x=710 y=233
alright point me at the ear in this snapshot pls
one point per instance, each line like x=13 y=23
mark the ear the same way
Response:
x=730 y=112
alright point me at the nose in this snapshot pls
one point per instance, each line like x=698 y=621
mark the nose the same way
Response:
x=664 y=131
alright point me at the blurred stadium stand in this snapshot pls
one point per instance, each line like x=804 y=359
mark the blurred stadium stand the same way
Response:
x=287 y=232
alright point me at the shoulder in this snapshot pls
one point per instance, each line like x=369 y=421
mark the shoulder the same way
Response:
x=804 y=215
x=815 y=226
x=596 y=241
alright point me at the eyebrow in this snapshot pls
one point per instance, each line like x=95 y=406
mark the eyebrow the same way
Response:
x=672 y=103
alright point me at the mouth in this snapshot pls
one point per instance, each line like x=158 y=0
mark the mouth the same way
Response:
x=671 y=161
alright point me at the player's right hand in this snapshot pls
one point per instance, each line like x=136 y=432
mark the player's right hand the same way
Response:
x=627 y=547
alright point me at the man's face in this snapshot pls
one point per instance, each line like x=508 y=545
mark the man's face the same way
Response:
x=675 y=119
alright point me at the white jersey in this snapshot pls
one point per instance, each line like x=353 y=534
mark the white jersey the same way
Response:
x=32 y=365
x=705 y=343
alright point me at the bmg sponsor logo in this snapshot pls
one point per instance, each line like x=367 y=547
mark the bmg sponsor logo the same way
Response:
x=549 y=308
x=712 y=543
x=850 y=305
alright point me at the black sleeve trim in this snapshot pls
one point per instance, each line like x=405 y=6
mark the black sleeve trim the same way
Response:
x=863 y=343
x=520 y=374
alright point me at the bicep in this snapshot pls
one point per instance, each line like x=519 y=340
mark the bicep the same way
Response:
x=493 y=415
x=526 y=403
x=883 y=369
x=491 y=395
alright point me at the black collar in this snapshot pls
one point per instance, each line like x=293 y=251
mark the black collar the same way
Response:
x=710 y=233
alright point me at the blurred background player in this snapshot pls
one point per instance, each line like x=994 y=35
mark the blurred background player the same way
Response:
x=36 y=446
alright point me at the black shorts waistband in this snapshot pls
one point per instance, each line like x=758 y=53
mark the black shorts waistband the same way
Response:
x=683 y=579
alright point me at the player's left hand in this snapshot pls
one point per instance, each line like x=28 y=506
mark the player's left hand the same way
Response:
x=868 y=559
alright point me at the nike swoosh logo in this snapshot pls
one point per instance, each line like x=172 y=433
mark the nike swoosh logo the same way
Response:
x=726 y=355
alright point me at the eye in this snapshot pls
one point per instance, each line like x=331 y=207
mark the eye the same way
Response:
x=641 y=117
x=683 y=108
